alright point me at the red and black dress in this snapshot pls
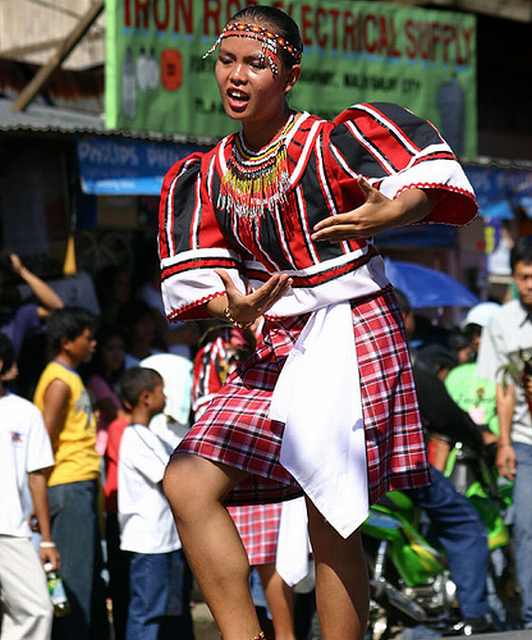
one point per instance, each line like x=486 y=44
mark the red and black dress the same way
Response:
x=208 y=222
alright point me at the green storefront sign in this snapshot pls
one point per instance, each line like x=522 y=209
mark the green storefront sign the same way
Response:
x=156 y=79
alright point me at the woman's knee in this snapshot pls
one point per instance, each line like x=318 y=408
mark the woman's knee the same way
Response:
x=191 y=483
x=179 y=479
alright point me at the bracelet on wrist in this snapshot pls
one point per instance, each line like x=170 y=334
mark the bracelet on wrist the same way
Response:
x=240 y=325
x=44 y=544
x=503 y=444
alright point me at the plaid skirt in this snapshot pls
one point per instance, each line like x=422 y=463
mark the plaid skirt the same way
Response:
x=258 y=526
x=234 y=429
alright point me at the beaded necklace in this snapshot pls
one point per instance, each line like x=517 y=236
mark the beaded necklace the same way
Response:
x=256 y=182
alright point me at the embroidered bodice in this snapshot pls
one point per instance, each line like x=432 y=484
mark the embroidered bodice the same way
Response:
x=252 y=213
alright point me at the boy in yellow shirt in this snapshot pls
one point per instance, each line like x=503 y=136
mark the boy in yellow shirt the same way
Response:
x=73 y=483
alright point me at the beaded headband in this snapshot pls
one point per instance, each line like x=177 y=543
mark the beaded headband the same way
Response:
x=272 y=42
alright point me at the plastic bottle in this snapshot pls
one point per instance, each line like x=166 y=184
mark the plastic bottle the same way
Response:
x=56 y=591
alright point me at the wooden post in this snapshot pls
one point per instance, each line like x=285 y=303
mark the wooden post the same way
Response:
x=59 y=56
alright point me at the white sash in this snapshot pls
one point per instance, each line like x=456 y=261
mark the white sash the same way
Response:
x=292 y=559
x=317 y=396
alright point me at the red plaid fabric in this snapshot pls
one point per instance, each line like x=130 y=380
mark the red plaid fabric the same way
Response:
x=235 y=429
x=258 y=526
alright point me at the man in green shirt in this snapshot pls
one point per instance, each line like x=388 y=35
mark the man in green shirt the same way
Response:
x=472 y=393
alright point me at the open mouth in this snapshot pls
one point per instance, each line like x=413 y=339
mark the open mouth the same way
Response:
x=237 y=99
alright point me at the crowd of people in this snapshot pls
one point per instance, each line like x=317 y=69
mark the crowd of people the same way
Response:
x=105 y=416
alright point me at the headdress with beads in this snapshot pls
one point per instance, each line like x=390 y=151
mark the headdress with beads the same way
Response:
x=272 y=43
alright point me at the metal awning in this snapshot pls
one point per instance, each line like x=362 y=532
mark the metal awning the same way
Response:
x=38 y=118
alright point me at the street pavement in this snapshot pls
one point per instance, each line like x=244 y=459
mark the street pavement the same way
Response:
x=205 y=629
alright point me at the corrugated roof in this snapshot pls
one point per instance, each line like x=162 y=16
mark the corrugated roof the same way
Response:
x=52 y=120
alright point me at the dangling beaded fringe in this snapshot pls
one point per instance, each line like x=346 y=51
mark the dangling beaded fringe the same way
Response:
x=256 y=184
x=251 y=194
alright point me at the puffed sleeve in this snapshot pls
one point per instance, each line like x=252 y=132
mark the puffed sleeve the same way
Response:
x=191 y=243
x=396 y=150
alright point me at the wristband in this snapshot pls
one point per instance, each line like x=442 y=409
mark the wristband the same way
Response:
x=239 y=325
x=47 y=545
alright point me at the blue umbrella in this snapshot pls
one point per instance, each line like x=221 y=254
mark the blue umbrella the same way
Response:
x=426 y=287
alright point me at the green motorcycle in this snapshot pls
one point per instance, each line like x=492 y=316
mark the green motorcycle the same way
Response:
x=409 y=578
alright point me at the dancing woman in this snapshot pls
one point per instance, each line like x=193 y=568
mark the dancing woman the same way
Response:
x=277 y=220
x=278 y=553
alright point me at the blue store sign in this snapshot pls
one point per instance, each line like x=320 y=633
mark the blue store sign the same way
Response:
x=499 y=191
x=135 y=168
x=124 y=167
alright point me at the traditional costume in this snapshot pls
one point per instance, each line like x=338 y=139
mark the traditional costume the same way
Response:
x=326 y=406
x=271 y=533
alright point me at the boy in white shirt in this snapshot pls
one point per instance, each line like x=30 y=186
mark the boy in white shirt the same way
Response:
x=159 y=578
x=25 y=455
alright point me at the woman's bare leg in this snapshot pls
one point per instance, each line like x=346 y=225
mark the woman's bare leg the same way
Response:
x=280 y=601
x=195 y=488
x=341 y=580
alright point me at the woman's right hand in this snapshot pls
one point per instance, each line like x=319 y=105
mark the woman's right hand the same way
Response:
x=246 y=308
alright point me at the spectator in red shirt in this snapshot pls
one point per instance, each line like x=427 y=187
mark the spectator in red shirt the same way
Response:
x=117 y=560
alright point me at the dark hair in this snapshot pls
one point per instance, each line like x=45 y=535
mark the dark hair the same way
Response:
x=472 y=330
x=135 y=381
x=521 y=252
x=7 y=353
x=67 y=324
x=403 y=302
x=279 y=21
x=434 y=357
x=104 y=334
x=458 y=340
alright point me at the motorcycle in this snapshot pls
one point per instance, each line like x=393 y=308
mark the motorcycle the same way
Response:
x=409 y=578
x=410 y=583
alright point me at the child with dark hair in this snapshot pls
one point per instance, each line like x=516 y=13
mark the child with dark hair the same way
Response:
x=25 y=456
x=73 y=484
x=159 y=579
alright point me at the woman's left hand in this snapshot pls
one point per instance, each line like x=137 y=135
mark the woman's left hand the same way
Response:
x=378 y=213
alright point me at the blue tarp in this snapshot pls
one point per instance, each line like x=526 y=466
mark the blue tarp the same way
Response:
x=426 y=287
x=126 y=167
